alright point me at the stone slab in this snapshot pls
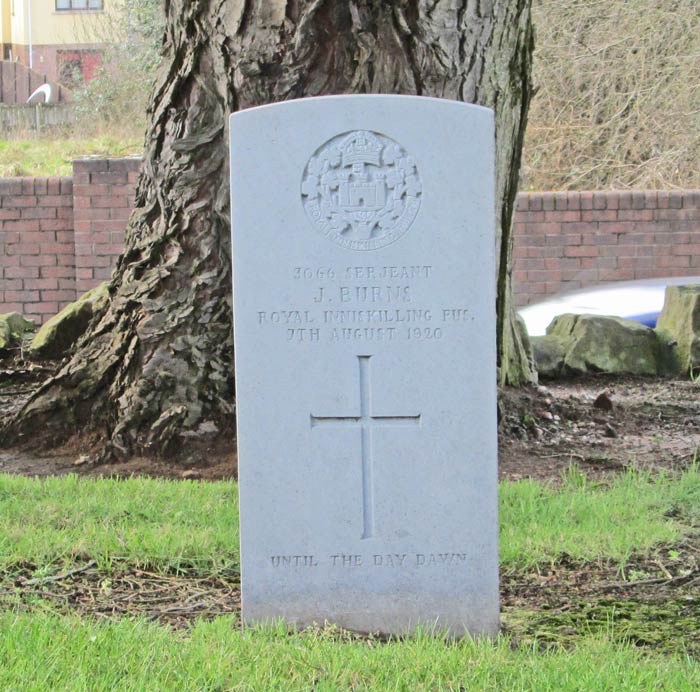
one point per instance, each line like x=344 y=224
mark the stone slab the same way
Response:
x=364 y=307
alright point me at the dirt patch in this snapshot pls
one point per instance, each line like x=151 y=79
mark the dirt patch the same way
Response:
x=212 y=462
x=173 y=599
x=603 y=425
x=645 y=423
x=654 y=600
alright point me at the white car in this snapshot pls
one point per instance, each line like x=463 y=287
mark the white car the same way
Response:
x=634 y=300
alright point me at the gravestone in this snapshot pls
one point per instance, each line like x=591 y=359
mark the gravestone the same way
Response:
x=364 y=307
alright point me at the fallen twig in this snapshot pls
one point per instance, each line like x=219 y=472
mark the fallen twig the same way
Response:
x=59 y=577
x=680 y=579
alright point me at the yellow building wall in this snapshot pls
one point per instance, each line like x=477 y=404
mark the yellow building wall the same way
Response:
x=52 y=27
x=5 y=22
x=17 y=21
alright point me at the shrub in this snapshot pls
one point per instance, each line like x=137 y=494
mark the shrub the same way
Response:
x=618 y=95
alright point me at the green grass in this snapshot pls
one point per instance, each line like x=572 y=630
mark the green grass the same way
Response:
x=631 y=513
x=47 y=652
x=164 y=524
x=192 y=525
x=49 y=156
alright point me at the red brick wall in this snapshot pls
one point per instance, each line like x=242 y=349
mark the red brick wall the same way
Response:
x=37 y=260
x=568 y=240
x=103 y=192
x=61 y=237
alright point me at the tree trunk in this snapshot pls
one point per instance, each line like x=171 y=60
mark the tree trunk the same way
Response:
x=157 y=368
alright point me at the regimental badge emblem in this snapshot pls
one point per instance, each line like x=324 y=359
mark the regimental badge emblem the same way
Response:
x=361 y=190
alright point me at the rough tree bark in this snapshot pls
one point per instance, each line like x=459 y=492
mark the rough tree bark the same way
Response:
x=158 y=364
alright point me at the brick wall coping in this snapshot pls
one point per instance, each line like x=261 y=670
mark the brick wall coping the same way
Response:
x=606 y=199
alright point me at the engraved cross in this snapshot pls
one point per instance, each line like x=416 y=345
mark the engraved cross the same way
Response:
x=366 y=422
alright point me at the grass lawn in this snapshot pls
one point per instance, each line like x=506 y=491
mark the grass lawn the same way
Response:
x=44 y=652
x=191 y=525
x=51 y=156
x=49 y=526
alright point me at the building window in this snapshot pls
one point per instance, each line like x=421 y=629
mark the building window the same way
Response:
x=79 y=5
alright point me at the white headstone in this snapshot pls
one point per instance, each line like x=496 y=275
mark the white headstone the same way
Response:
x=364 y=306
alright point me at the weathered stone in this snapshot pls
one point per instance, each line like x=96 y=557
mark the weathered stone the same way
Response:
x=595 y=343
x=527 y=347
x=562 y=325
x=679 y=324
x=549 y=353
x=12 y=327
x=5 y=333
x=55 y=338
